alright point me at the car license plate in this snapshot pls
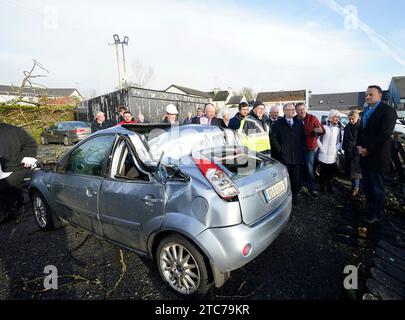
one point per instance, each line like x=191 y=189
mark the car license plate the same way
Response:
x=274 y=191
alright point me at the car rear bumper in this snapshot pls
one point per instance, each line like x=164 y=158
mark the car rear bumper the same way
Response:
x=224 y=245
x=79 y=137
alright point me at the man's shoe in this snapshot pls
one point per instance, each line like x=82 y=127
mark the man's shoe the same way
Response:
x=314 y=194
x=355 y=191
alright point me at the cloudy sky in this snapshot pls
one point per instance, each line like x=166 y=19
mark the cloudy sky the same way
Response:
x=321 y=45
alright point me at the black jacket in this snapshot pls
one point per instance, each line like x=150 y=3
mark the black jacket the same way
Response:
x=272 y=122
x=195 y=120
x=288 y=143
x=252 y=126
x=214 y=121
x=376 y=138
x=350 y=138
x=234 y=123
x=15 y=144
x=95 y=126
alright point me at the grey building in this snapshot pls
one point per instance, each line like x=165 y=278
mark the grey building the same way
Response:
x=343 y=101
x=151 y=103
x=339 y=101
x=397 y=92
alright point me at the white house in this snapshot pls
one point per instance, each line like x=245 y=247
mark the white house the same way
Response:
x=34 y=95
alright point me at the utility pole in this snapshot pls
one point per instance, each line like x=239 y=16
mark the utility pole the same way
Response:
x=116 y=43
x=123 y=57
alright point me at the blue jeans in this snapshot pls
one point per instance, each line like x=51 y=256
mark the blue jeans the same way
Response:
x=355 y=183
x=309 y=168
x=373 y=185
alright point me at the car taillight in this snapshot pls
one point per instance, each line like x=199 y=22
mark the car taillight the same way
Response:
x=79 y=130
x=218 y=179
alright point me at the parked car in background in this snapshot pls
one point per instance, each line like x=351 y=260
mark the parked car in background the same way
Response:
x=66 y=132
x=323 y=116
x=399 y=130
x=191 y=197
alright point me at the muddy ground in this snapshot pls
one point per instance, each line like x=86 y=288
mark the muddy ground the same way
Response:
x=304 y=262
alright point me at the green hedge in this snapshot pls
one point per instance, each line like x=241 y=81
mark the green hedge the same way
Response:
x=35 y=118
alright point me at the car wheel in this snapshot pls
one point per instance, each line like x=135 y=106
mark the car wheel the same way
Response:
x=66 y=141
x=182 y=267
x=43 y=140
x=42 y=212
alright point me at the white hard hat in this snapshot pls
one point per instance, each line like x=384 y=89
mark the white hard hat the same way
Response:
x=171 y=109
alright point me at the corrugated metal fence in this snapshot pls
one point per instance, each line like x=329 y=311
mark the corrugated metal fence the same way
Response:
x=151 y=103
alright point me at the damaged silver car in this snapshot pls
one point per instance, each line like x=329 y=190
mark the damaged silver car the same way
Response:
x=190 y=197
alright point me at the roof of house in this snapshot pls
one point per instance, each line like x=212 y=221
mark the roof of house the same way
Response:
x=191 y=92
x=286 y=96
x=221 y=96
x=235 y=100
x=343 y=100
x=400 y=83
x=55 y=92
x=337 y=100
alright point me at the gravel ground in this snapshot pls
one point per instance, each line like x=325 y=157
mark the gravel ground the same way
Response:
x=303 y=263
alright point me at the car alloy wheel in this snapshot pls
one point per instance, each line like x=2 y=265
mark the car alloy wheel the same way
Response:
x=179 y=268
x=40 y=212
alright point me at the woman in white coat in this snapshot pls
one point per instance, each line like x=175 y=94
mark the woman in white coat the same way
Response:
x=328 y=145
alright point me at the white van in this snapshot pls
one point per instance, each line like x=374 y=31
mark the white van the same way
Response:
x=323 y=116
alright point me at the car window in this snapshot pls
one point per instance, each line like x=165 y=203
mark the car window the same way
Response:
x=344 y=120
x=125 y=165
x=89 y=157
x=60 y=126
x=79 y=124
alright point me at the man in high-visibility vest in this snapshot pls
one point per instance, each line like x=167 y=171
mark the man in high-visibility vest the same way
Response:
x=254 y=130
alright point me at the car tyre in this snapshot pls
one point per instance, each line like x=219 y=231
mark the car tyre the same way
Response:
x=66 y=141
x=42 y=212
x=182 y=267
x=43 y=140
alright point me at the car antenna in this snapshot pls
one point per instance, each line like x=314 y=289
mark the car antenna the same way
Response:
x=160 y=159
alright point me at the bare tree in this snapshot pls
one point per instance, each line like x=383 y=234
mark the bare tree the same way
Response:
x=249 y=93
x=27 y=82
x=141 y=75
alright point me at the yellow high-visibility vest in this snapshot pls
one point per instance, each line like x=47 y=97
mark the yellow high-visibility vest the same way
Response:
x=258 y=142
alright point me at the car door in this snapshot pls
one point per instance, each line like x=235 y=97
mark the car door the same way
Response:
x=129 y=199
x=76 y=189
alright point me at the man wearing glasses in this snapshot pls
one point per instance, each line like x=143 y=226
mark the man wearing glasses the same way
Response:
x=288 y=147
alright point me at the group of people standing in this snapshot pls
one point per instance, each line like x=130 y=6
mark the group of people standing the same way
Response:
x=124 y=117
x=299 y=139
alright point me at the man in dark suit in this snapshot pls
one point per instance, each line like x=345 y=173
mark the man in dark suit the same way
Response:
x=287 y=139
x=209 y=116
x=374 y=148
x=100 y=122
x=18 y=150
x=196 y=119
x=273 y=116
